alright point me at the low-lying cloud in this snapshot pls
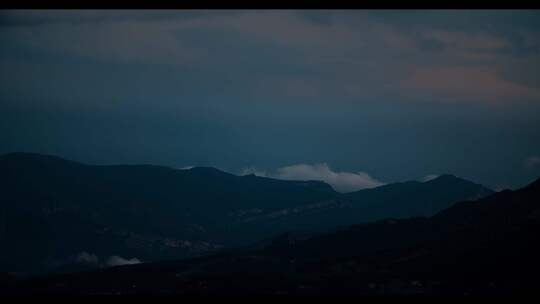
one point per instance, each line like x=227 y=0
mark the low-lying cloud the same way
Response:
x=114 y=260
x=254 y=171
x=340 y=181
x=88 y=258
x=118 y=261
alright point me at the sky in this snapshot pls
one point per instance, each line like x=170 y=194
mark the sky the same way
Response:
x=356 y=98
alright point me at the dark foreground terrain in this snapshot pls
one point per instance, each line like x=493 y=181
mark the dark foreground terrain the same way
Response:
x=483 y=247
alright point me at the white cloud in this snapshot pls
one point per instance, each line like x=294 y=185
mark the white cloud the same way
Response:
x=186 y=168
x=253 y=170
x=118 y=261
x=340 y=181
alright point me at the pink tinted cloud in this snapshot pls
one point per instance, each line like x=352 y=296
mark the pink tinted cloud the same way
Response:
x=466 y=83
x=467 y=40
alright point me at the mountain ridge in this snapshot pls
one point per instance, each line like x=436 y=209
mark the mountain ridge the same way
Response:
x=58 y=199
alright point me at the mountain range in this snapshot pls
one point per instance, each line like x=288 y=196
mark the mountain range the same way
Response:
x=62 y=215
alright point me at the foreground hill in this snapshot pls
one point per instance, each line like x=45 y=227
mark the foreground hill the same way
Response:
x=489 y=246
x=59 y=214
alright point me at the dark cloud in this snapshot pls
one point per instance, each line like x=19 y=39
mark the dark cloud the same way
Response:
x=398 y=94
x=68 y=16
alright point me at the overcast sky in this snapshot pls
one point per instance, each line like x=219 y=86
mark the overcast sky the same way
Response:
x=382 y=95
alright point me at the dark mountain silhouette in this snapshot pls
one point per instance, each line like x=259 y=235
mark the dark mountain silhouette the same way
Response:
x=397 y=200
x=56 y=209
x=484 y=247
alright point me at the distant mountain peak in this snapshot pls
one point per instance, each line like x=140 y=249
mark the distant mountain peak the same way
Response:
x=535 y=184
x=208 y=170
x=26 y=155
x=446 y=177
x=35 y=157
